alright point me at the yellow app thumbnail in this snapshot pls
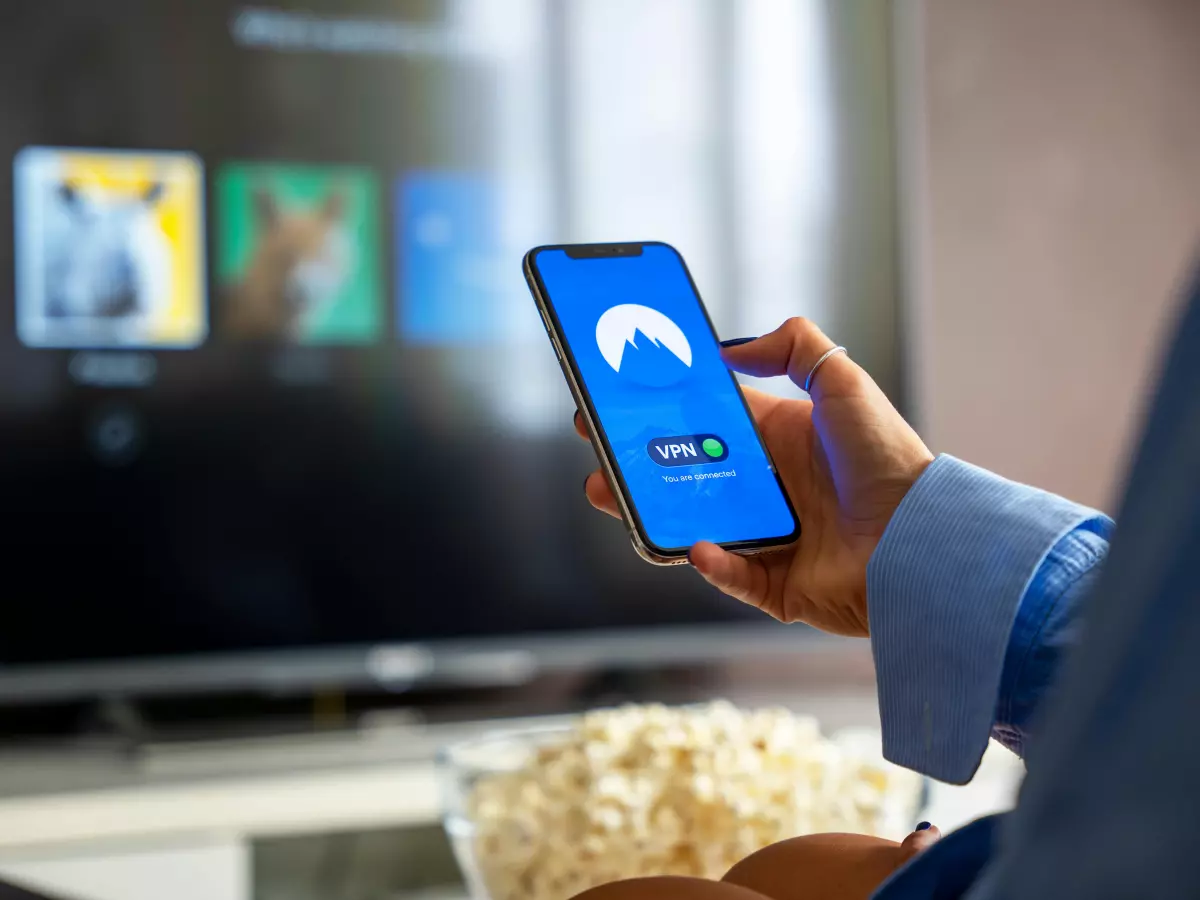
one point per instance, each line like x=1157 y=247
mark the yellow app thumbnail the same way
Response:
x=110 y=248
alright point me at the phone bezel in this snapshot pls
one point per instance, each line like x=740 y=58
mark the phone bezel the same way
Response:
x=645 y=548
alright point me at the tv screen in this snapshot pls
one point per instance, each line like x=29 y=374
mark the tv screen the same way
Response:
x=266 y=379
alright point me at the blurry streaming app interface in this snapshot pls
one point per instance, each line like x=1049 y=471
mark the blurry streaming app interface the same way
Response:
x=679 y=432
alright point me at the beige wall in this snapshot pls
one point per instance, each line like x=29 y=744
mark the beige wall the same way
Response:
x=1050 y=179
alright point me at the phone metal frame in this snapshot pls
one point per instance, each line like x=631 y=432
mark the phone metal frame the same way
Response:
x=645 y=548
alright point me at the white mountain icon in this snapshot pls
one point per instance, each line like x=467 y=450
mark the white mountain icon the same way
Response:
x=623 y=327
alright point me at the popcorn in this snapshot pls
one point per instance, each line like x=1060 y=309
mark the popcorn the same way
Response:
x=651 y=790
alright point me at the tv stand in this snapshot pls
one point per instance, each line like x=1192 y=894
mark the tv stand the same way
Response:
x=149 y=805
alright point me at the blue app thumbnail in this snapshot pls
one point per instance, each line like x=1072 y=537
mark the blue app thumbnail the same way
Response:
x=448 y=248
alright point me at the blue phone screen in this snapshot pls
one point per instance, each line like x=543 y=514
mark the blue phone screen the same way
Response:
x=680 y=434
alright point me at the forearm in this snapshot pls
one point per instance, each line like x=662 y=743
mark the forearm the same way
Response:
x=943 y=591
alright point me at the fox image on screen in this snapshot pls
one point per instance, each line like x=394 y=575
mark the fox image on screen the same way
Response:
x=106 y=257
x=301 y=263
x=298 y=252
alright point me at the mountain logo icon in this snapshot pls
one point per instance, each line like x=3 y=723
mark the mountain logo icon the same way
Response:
x=643 y=345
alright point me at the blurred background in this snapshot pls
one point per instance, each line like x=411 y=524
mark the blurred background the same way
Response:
x=292 y=492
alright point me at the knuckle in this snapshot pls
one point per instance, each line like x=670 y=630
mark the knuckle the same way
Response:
x=799 y=325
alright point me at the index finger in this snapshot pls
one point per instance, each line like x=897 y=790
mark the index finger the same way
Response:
x=793 y=349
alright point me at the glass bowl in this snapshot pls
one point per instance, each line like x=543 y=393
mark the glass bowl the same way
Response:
x=507 y=851
x=460 y=768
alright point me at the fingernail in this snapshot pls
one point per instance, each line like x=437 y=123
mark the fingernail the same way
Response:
x=923 y=826
x=586 y=479
x=737 y=342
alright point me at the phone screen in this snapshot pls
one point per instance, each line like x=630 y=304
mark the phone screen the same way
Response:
x=680 y=435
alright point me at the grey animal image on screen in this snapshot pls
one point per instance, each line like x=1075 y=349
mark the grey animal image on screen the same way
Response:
x=106 y=256
x=302 y=259
x=109 y=248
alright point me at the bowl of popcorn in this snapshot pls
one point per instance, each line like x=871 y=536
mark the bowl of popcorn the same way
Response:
x=545 y=813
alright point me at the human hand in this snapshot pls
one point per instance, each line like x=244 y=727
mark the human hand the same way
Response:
x=846 y=457
x=813 y=867
x=828 y=866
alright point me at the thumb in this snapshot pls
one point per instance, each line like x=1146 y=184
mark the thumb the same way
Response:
x=793 y=349
x=920 y=840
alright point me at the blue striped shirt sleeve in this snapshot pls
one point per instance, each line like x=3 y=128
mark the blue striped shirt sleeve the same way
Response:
x=1045 y=629
x=944 y=587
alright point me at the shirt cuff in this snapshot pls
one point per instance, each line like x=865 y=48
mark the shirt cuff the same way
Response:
x=943 y=588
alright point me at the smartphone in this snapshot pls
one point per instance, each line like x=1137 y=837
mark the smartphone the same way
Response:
x=669 y=421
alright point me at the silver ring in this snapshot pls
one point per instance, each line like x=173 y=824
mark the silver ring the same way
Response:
x=820 y=362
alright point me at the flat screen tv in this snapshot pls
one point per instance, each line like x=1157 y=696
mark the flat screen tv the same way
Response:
x=270 y=386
